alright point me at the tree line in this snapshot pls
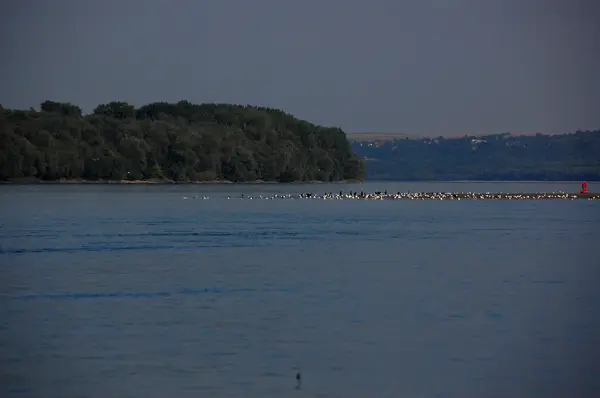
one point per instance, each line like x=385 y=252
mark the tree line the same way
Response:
x=171 y=141
x=572 y=156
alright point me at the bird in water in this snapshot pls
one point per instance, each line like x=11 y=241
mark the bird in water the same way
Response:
x=298 y=380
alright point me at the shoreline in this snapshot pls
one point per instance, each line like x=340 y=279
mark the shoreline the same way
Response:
x=27 y=181
x=164 y=182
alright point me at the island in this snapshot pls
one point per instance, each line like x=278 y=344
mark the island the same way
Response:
x=170 y=142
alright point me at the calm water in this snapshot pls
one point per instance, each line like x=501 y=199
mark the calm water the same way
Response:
x=130 y=291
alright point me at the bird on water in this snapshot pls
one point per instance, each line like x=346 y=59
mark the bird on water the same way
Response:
x=298 y=380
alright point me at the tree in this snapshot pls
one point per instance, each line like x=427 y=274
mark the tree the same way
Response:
x=116 y=109
x=175 y=141
x=62 y=108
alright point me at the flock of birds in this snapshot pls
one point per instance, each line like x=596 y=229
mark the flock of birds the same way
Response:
x=409 y=196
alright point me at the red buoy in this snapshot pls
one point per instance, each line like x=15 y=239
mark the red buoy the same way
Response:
x=584 y=187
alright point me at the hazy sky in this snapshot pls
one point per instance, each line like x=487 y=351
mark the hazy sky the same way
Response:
x=417 y=67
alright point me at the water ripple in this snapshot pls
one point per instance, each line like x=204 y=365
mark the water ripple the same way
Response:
x=140 y=294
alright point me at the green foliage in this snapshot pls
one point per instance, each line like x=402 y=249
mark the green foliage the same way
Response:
x=62 y=108
x=574 y=156
x=180 y=142
x=116 y=109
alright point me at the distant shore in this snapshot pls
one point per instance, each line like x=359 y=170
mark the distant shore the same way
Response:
x=33 y=181
x=28 y=181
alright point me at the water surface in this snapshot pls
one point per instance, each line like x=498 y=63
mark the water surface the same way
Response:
x=133 y=291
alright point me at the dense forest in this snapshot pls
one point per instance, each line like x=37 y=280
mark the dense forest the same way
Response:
x=574 y=156
x=170 y=141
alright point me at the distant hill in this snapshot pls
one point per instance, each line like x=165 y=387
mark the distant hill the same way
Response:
x=375 y=136
x=170 y=142
x=574 y=156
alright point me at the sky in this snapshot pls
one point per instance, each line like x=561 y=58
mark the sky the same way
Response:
x=422 y=67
